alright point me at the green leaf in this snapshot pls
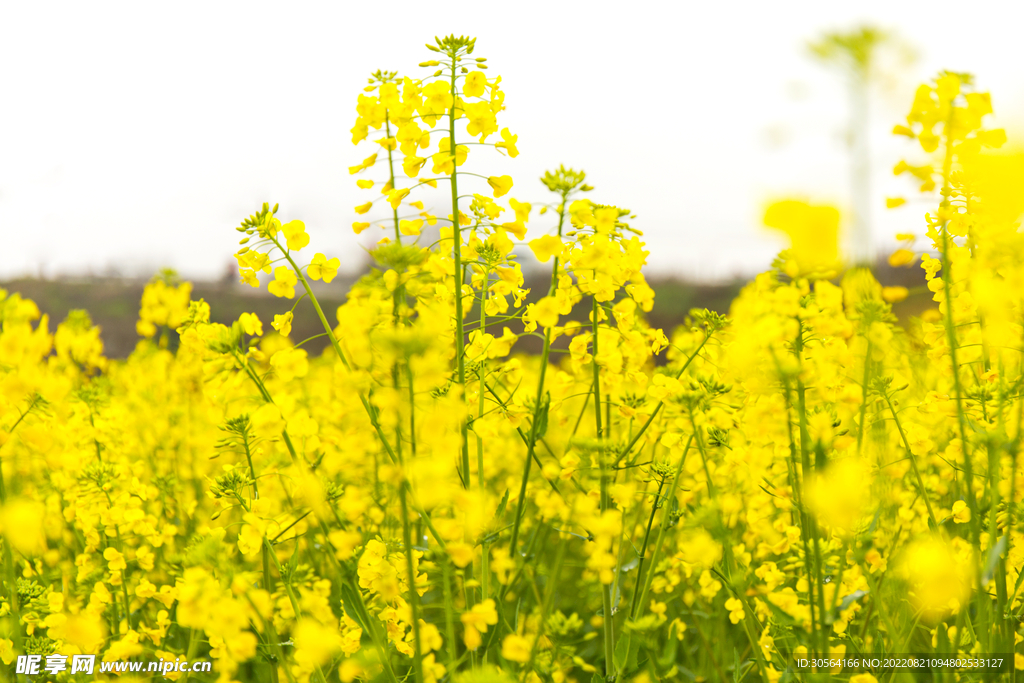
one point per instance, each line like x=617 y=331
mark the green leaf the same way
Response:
x=856 y=595
x=622 y=652
x=501 y=506
x=626 y=651
x=351 y=603
x=541 y=428
x=668 y=655
x=993 y=559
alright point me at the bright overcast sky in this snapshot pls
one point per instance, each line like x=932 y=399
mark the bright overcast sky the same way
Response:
x=137 y=135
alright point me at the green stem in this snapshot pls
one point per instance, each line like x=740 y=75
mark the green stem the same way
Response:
x=947 y=285
x=795 y=487
x=391 y=171
x=607 y=624
x=291 y=598
x=530 y=446
x=594 y=326
x=706 y=644
x=449 y=615
x=460 y=359
x=193 y=647
x=703 y=455
x=127 y=602
x=913 y=461
x=805 y=458
x=484 y=560
x=252 y=469
x=670 y=499
x=403 y=493
x=531 y=443
x=643 y=552
x=1011 y=501
x=370 y=411
x=291 y=449
x=270 y=633
x=625 y=451
x=877 y=599
x=413 y=596
x=864 y=397
x=370 y=621
x=549 y=599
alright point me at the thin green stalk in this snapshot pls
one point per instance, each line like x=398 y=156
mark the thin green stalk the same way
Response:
x=292 y=599
x=460 y=359
x=412 y=411
x=1011 y=501
x=624 y=541
x=795 y=486
x=703 y=454
x=607 y=625
x=268 y=580
x=748 y=611
x=670 y=498
x=252 y=469
x=530 y=446
x=608 y=630
x=805 y=457
x=643 y=551
x=530 y=546
x=913 y=461
x=291 y=449
x=748 y=627
x=839 y=581
x=449 y=615
x=625 y=451
x=270 y=633
x=193 y=647
x=549 y=599
x=370 y=411
x=532 y=442
x=525 y=439
x=403 y=491
x=391 y=171
x=877 y=600
x=413 y=596
x=127 y=601
x=706 y=644
x=947 y=280
x=864 y=398
x=364 y=614
x=485 y=572
x=594 y=326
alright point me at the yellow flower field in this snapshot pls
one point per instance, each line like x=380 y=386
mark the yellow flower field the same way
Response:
x=800 y=479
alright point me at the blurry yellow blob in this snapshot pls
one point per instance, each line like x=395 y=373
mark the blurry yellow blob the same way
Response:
x=85 y=631
x=998 y=179
x=937 y=579
x=839 y=495
x=21 y=522
x=814 y=234
x=314 y=642
x=894 y=294
x=698 y=547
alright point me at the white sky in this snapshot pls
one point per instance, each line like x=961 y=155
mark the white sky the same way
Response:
x=137 y=135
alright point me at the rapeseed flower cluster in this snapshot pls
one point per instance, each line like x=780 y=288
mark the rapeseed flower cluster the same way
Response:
x=421 y=501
